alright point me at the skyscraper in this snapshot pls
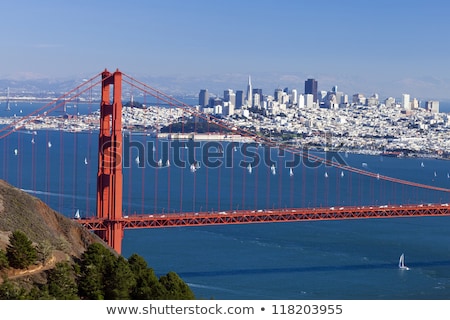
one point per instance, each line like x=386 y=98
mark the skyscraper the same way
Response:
x=311 y=88
x=249 y=96
x=406 y=103
x=203 y=98
x=239 y=99
x=229 y=96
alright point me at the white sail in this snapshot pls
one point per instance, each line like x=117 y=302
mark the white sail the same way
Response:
x=342 y=174
x=291 y=172
x=160 y=163
x=249 y=168
x=192 y=168
x=326 y=175
x=274 y=171
x=85 y=161
x=137 y=160
x=401 y=262
x=167 y=163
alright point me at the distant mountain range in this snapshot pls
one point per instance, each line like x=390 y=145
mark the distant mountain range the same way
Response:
x=183 y=85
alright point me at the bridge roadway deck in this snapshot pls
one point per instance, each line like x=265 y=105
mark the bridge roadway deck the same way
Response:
x=268 y=216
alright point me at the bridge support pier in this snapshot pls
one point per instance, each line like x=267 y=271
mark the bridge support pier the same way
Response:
x=110 y=176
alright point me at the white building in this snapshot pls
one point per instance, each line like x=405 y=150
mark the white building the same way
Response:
x=294 y=96
x=249 y=96
x=309 y=98
x=406 y=103
x=301 y=101
x=432 y=106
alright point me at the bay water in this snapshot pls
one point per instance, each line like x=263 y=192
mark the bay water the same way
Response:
x=351 y=259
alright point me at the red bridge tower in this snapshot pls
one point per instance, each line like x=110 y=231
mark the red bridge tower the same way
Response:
x=110 y=176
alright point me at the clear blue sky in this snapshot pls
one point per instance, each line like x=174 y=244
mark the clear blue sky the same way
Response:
x=389 y=47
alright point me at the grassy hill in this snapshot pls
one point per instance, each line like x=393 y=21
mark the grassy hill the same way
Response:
x=74 y=263
x=21 y=211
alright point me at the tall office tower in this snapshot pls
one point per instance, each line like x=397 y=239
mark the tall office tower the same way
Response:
x=203 y=98
x=249 y=96
x=257 y=91
x=432 y=106
x=311 y=88
x=277 y=94
x=301 y=101
x=405 y=102
x=294 y=96
x=309 y=100
x=239 y=99
x=257 y=101
x=229 y=96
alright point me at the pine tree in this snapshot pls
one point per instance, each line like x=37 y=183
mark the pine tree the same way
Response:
x=119 y=281
x=61 y=283
x=95 y=264
x=20 y=251
x=176 y=288
x=147 y=285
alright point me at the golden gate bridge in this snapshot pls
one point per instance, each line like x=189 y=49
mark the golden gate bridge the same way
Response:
x=110 y=219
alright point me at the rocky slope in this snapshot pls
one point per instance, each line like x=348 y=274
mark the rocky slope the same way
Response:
x=21 y=211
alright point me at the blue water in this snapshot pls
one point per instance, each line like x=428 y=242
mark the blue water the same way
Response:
x=354 y=259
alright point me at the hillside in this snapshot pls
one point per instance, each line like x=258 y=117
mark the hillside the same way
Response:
x=68 y=261
x=21 y=211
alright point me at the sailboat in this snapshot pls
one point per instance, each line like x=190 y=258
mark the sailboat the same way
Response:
x=167 y=163
x=49 y=144
x=249 y=168
x=401 y=262
x=160 y=163
x=291 y=172
x=85 y=161
x=342 y=174
x=326 y=175
x=422 y=165
x=192 y=167
x=77 y=214
x=137 y=160
x=16 y=152
x=197 y=165
x=274 y=171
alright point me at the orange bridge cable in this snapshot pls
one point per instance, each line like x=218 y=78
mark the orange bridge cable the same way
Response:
x=247 y=133
x=20 y=123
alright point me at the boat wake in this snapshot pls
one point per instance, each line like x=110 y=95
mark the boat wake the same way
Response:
x=306 y=269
